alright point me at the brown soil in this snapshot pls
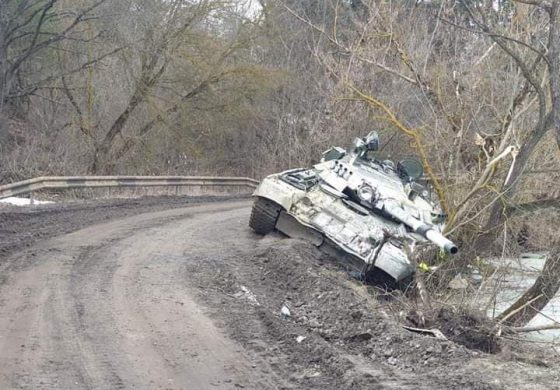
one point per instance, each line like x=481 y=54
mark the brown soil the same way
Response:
x=190 y=298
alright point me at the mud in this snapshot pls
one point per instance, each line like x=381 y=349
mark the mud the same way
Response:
x=190 y=298
x=21 y=227
x=351 y=339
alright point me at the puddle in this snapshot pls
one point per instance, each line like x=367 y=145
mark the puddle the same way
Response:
x=513 y=278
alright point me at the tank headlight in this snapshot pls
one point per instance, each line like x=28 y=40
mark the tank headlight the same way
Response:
x=366 y=193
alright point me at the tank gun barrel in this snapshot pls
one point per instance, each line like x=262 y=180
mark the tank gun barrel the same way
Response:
x=440 y=240
x=427 y=231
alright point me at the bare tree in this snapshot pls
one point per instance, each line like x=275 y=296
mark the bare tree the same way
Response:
x=172 y=31
x=547 y=92
x=28 y=28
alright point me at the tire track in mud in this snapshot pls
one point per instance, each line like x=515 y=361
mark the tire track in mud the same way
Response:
x=110 y=310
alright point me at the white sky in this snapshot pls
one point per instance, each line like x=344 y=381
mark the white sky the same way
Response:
x=252 y=7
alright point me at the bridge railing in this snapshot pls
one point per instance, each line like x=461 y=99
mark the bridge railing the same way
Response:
x=73 y=182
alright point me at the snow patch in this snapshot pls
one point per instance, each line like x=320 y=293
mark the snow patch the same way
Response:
x=23 y=201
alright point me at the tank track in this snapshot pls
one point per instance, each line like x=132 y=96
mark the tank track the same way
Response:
x=264 y=215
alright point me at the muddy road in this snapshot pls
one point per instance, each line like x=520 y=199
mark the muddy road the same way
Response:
x=190 y=298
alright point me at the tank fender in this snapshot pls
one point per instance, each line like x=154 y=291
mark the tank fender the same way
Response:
x=278 y=191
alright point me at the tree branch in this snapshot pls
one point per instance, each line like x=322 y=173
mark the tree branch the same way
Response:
x=38 y=84
x=527 y=207
x=539 y=3
x=35 y=47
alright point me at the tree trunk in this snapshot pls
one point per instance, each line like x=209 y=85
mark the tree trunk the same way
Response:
x=102 y=155
x=498 y=213
x=554 y=66
x=552 y=121
x=546 y=286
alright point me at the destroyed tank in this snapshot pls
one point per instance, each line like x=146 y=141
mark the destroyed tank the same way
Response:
x=374 y=213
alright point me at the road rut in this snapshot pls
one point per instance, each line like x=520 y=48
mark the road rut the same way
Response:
x=106 y=307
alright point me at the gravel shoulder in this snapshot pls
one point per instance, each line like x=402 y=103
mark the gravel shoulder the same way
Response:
x=129 y=295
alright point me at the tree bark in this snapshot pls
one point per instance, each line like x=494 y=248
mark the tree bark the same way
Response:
x=554 y=65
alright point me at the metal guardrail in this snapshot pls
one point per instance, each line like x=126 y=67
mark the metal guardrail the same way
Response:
x=62 y=182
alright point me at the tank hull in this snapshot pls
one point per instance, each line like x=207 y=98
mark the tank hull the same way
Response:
x=325 y=219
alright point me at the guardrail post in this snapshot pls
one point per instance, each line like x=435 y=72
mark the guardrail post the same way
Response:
x=31 y=198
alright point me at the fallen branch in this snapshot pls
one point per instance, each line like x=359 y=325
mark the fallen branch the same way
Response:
x=527 y=329
x=433 y=332
x=513 y=312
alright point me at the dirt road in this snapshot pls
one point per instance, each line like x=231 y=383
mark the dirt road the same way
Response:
x=106 y=307
x=190 y=298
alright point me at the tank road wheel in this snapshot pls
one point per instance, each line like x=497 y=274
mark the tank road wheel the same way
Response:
x=264 y=215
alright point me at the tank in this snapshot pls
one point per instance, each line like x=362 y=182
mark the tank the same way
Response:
x=374 y=213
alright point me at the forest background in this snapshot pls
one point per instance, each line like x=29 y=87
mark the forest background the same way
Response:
x=248 y=88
